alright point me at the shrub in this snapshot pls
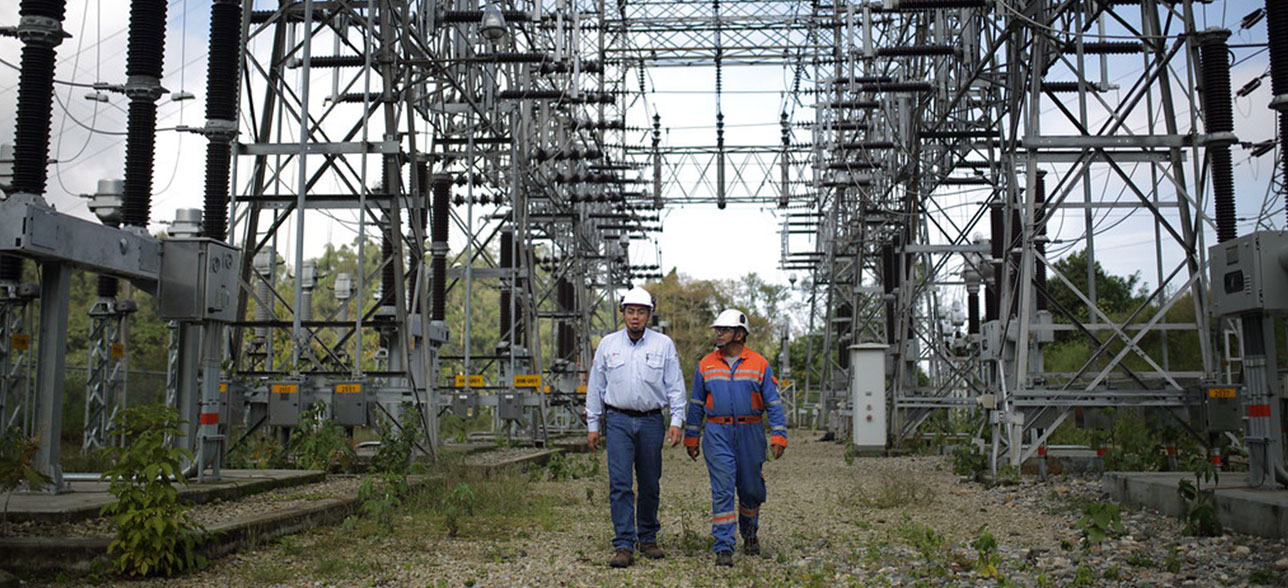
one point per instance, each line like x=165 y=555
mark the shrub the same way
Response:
x=16 y=454
x=1200 y=503
x=319 y=443
x=1100 y=521
x=155 y=534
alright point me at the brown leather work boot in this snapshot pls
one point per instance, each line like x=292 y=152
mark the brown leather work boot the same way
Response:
x=652 y=551
x=621 y=559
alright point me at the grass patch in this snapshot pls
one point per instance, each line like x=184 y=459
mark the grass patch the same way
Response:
x=897 y=491
x=267 y=573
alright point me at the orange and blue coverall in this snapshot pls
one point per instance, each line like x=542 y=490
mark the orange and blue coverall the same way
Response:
x=733 y=399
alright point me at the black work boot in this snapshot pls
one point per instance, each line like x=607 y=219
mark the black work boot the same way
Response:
x=724 y=558
x=751 y=546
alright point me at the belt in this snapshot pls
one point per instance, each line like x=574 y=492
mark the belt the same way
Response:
x=728 y=420
x=635 y=413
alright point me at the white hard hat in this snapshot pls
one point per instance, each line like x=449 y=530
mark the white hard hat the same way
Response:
x=732 y=318
x=639 y=297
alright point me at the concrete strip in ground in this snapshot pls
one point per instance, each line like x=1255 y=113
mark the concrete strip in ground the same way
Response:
x=1245 y=510
x=87 y=498
x=38 y=554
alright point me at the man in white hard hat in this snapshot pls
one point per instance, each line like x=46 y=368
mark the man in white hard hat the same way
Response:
x=634 y=389
x=732 y=389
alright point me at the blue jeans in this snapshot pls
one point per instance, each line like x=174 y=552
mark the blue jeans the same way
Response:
x=634 y=445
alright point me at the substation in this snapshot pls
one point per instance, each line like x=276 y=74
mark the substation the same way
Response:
x=931 y=160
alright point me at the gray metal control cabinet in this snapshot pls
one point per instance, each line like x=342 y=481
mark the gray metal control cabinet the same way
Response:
x=198 y=280
x=464 y=405
x=285 y=399
x=1250 y=273
x=509 y=406
x=1222 y=410
x=349 y=403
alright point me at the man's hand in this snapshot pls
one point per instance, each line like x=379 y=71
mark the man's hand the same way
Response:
x=693 y=452
x=592 y=440
x=777 y=450
x=673 y=436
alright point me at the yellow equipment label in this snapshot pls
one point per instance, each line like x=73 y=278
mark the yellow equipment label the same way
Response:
x=223 y=387
x=1221 y=393
x=527 y=381
x=581 y=389
x=284 y=388
x=20 y=342
x=348 y=388
x=118 y=350
x=476 y=381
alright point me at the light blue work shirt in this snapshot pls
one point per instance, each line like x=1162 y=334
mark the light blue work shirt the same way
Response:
x=639 y=375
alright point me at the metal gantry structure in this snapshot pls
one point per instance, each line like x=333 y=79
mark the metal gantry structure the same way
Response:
x=930 y=162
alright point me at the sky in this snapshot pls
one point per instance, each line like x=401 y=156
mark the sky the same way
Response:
x=697 y=240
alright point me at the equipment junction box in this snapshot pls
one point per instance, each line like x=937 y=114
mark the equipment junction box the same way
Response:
x=1222 y=410
x=1250 y=273
x=198 y=280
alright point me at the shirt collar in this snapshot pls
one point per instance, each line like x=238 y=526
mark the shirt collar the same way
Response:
x=627 y=333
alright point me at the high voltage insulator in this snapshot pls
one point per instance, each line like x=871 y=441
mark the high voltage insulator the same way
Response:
x=847 y=165
x=1105 y=47
x=355 y=97
x=474 y=16
x=901 y=5
x=919 y=51
x=221 y=113
x=582 y=98
x=337 y=61
x=1066 y=87
x=143 y=66
x=856 y=104
x=869 y=145
x=1218 y=117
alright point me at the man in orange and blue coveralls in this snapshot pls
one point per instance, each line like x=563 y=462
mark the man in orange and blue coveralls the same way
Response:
x=733 y=388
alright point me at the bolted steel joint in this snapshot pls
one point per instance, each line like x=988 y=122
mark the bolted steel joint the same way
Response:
x=41 y=30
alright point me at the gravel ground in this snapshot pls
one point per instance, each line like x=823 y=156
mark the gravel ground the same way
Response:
x=826 y=523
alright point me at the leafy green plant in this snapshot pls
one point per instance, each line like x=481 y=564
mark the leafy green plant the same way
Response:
x=1140 y=560
x=1173 y=562
x=155 y=533
x=16 y=454
x=1084 y=576
x=1008 y=474
x=923 y=538
x=560 y=467
x=1100 y=521
x=378 y=500
x=1201 y=517
x=1268 y=577
x=319 y=443
x=257 y=452
x=398 y=442
x=967 y=461
x=458 y=504
x=985 y=546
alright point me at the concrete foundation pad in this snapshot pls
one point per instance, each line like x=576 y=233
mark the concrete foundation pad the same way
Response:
x=43 y=554
x=1240 y=508
x=84 y=499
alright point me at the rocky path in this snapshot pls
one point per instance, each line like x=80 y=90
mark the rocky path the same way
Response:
x=905 y=521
